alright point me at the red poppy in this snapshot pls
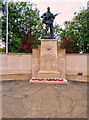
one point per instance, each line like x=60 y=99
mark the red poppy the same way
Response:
x=62 y=80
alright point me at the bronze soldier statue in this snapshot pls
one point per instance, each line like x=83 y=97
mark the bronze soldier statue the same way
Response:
x=48 y=18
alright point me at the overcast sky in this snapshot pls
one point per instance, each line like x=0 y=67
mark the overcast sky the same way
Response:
x=67 y=7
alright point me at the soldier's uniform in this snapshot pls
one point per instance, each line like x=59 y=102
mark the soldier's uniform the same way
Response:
x=48 y=18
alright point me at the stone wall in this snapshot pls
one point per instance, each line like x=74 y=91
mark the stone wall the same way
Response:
x=61 y=62
x=16 y=66
x=76 y=63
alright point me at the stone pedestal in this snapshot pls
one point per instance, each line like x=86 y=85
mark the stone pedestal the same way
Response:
x=48 y=61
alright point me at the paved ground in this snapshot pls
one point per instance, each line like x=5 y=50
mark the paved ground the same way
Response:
x=24 y=100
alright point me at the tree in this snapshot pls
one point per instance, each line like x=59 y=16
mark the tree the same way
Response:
x=57 y=31
x=78 y=27
x=27 y=43
x=70 y=45
x=21 y=18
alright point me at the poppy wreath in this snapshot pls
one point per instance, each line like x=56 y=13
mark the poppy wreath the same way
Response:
x=47 y=79
x=37 y=79
x=54 y=80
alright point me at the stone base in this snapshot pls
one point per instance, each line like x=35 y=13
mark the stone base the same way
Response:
x=48 y=37
x=49 y=81
x=48 y=74
x=45 y=63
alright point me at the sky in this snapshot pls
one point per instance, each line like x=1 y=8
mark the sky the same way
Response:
x=66 y=7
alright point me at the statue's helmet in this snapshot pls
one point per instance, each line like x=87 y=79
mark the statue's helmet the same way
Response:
x=48 y=8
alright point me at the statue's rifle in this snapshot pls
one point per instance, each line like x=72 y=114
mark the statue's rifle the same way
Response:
x=57 y=14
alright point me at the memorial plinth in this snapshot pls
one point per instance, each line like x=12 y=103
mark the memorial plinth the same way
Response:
x=48 y=59
x=45 y=63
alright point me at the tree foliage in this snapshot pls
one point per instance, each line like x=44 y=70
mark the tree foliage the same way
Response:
x=70 y=45
x=21 y=17
x=78 y=28
x=57 y=31
x=27 y=43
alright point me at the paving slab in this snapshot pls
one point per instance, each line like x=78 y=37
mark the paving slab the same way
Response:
x=25 y=100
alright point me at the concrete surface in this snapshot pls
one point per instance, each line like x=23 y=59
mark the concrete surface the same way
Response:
x=25 y=100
